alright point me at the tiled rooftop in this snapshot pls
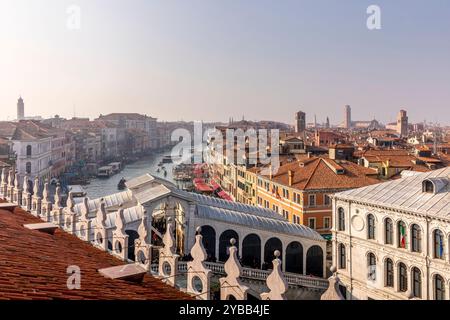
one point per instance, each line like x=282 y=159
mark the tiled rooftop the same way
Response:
x=33 y=265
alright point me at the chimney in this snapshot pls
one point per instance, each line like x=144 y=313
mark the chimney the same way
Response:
x=270 y=172
x=291 y=177
x=309 y=155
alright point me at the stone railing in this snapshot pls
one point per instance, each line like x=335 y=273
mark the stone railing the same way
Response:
x=292 y=279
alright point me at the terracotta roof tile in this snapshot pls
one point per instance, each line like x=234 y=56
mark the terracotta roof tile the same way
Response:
x=33 y=266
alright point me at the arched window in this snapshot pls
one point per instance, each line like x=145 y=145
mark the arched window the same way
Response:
x=438 y=244
x=415 y=238
x=370 y=226
x=417 y=282
x=28 y=167
x=29 y=151
x=371 y=266
x=402 y=277
x=439 y=288
x=341 y=219
x=427 y=186
x=401 y=234
x=342 y=257
x=389 y=273
x=388 y=231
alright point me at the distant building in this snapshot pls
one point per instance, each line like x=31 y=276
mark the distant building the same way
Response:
x=20 y=109
x=402 y=123
x=300 y=121
x=348 y=117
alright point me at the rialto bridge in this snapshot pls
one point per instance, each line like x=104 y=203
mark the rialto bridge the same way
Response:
x=147 y=205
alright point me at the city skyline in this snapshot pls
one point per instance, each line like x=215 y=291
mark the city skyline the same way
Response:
x=212 y=61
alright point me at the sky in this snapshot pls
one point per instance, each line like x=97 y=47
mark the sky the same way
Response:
x=215 y=59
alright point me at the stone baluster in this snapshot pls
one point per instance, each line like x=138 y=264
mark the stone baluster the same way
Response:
x=26 y=194
x=46 y=206
x=101 y=238
x=232 y=286
x=275 y=281
x=198 y=276
x=142 y=245
x=333 y=292
x=120 y=238
x=168 y=259
x=10 y=190
x=18 y=191
x=4 y=184
x=69 y=215
x=57 y=209
x=85 y=224
x=36 y=207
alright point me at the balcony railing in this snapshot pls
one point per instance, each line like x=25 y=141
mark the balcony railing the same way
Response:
x=257 y=274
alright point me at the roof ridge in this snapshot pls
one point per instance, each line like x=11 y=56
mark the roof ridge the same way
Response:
x=312 y=173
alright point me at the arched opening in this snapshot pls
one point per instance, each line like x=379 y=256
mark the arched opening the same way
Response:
x=427 y=186
x=342 y=257
x=269 y=248
x=438 y=244
x=417 y=282
x=294 y=257
x=341 y=219
x=28 y=167
x=402 y=277
x=370 y=227
x=224 y=244
x=132 y=235
x=29 y=149
x=401 y=227
x=439 y=288
x=371 y=266
x=388 y=231
x=389 y=273
x=209 y=242
x=415 y=238
x=251 y=251
x=314 y=261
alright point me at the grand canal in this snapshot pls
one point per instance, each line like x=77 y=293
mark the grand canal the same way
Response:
x=149 y=164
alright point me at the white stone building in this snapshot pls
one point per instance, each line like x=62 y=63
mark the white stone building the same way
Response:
x=392 y=240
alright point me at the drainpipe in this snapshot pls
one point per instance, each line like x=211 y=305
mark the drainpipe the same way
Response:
x=427 y=258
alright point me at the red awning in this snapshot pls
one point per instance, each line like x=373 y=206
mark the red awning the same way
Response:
x=215 y=185
x=224 y=195
x=201 y=185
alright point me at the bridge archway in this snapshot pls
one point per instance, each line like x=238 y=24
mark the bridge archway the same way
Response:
x=209 y=241
x=271 y=245
x=132 y=235
x=251 y=251
x=314 y=261
x=224 y=243
x=294 y=257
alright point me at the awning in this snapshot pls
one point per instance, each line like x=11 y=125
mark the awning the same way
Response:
x=224 y=195
x=214 y=185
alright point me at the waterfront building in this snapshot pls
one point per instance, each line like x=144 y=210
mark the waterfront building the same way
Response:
x=391 y=240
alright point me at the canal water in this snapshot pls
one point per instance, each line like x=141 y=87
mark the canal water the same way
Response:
x=149 y=164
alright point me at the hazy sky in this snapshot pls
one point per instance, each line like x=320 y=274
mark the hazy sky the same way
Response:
x=211 y=59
